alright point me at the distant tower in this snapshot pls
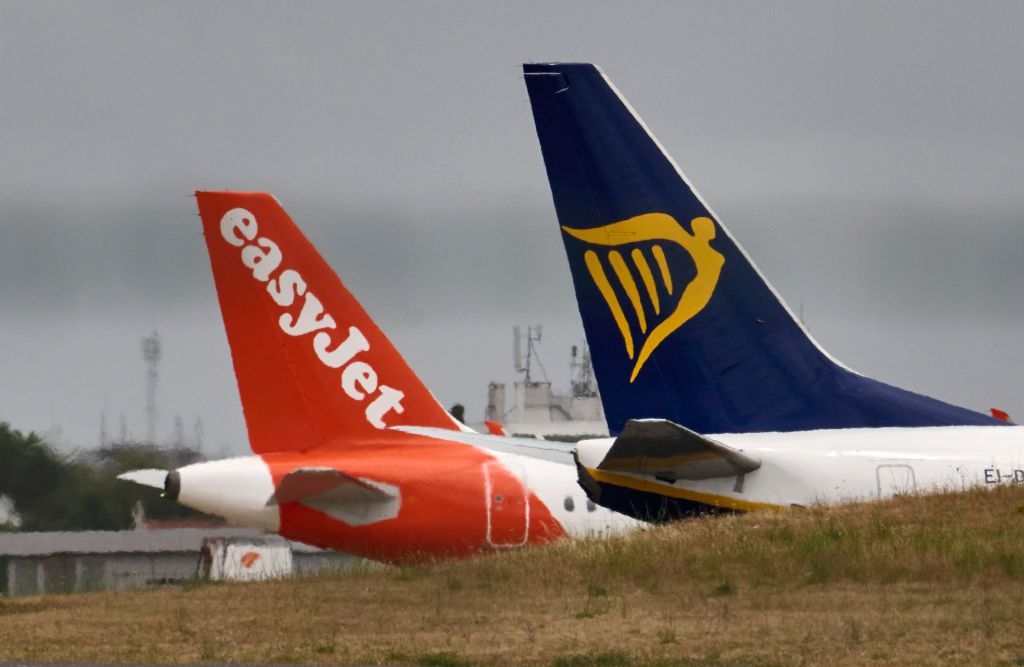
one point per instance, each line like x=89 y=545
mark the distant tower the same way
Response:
x=104 y=437
x=151 y=355
x=197 y=435
x=523 y=362
x=105 y=440
x=179 y=432
x=582 y=370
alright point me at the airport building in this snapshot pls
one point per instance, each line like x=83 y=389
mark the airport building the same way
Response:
x=79 y=562
x=533 y=408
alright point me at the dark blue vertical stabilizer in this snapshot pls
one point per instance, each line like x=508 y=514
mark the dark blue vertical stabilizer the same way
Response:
x=680 y=323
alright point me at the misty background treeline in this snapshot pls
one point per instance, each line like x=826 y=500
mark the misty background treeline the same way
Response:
x=42 y=489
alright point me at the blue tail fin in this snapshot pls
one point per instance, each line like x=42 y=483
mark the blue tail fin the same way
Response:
x=681 y=324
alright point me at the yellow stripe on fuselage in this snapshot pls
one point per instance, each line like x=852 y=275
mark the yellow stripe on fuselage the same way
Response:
x=713 y=500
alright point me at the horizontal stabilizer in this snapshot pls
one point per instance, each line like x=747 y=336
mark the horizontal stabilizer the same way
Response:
x=355 y=501
x=669 y=451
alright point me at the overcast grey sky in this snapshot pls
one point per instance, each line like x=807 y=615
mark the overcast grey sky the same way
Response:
x=867 y=155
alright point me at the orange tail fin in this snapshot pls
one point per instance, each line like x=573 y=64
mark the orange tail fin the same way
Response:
x=312 y=367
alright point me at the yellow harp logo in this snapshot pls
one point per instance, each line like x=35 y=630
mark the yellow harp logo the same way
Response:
x=655 y=228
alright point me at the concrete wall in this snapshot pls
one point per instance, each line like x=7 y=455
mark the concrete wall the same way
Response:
x=305 y=563
x=65 y=574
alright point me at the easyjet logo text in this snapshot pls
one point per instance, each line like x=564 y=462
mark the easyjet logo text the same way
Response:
x=333 y=348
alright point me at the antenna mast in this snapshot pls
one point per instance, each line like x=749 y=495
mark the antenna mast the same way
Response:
x=581 y=369
x=524 y=362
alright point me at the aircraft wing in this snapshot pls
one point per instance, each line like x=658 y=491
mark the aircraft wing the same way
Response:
x=669 y=451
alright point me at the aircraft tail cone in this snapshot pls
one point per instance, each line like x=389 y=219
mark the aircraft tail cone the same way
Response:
x=148 y=477
x=167 y=481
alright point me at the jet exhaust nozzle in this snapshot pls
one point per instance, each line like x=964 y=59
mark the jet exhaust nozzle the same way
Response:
x=172 y=485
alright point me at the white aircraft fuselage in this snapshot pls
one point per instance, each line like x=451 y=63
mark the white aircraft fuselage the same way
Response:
x=833 y=466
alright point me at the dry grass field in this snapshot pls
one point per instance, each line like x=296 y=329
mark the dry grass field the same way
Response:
x=918 y=580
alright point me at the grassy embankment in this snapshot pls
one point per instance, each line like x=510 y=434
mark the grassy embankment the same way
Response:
x=918 y=580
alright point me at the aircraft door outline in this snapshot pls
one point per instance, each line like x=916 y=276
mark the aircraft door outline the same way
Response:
x=508 y=506
x=895 y=479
